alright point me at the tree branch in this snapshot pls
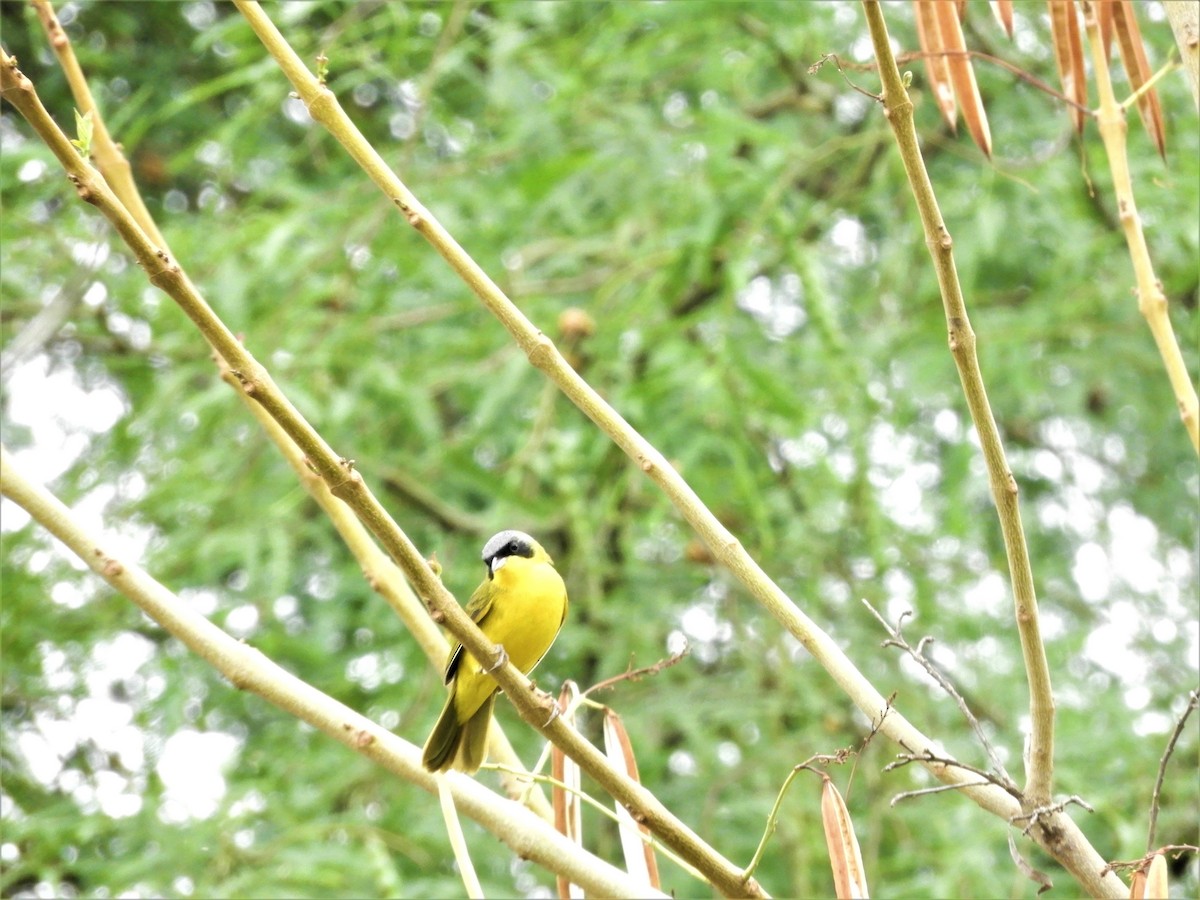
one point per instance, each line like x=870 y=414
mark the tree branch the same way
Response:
x=105 y=151
x=380 y=572
x=898 y=110
x=542 y=353
x=1152 y=301
x=1073 y=851
x=346 y=484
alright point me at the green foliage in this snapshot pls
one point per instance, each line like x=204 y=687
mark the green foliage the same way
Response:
x=741 y=233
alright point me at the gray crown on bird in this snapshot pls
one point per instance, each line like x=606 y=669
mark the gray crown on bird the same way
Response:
x=503 y=545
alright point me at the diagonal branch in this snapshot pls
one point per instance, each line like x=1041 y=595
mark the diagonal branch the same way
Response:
x=380 y=572
x=1152 y=301
x=346 y=484
x=542 y=353
x=105 y=151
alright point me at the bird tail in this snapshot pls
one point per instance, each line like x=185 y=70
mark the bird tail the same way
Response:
x=459 y=745
x=443 y=741
x=472 y=749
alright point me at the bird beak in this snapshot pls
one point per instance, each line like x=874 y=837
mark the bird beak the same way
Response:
x=497 y=564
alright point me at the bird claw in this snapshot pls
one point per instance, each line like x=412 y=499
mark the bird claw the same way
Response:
x=501 y=660
x=555 y=712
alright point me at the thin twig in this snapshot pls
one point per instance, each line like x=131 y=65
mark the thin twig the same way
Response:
x=1193 y=700
x=840 y=757
x=917 y=653
x=458 y=841
x=1035 y=815
x=639 y=674
x=1166 y=69
x=837 y=758
x=1144 y=862
x=876 y=727
x=1004 y=64
x=911 y=56
x=930 y=759
x=937 y=789
x=837 y=62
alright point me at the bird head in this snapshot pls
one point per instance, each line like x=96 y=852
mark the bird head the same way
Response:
x=510 y=544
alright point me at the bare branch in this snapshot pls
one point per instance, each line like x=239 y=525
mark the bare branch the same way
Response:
x=1034 y=815
x=898 y=109
x=544 y=355
x=639 y=674
x=1193 y=700
x=917 y=653
x=1144 y=862
x=929 y=759
x=937 y=789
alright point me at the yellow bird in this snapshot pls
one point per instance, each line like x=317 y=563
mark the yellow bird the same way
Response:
x=521 y=605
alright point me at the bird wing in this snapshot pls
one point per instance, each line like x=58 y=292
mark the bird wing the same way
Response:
x=478 y=608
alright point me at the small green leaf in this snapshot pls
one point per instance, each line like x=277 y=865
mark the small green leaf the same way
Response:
x=83 y=128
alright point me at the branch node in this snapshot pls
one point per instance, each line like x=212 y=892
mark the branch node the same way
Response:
x=415 y=219
x=84 y=190
x=540 y=351
x=349 y=483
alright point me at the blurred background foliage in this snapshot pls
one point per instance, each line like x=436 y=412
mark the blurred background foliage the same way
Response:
x=740 y=235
